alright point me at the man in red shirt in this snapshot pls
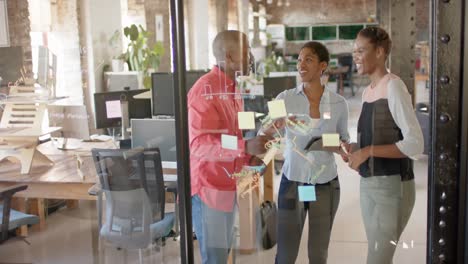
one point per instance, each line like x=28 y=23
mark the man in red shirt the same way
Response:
x=213 y=104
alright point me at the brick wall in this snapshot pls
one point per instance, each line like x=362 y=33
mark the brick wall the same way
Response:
x=307 y=12
x=19 y=28
x=136 y=8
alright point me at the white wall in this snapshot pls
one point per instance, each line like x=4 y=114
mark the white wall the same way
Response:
x=100 y=20
x=198 y=21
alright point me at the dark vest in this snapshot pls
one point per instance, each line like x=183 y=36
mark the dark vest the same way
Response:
x=377 y=127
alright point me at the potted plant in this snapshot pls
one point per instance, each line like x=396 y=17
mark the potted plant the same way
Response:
x=139 y=55
x=117 y=61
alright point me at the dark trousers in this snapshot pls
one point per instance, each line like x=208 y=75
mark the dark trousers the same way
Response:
x=291 y=218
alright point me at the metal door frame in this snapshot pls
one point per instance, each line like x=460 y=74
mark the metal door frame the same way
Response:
x=447 y=168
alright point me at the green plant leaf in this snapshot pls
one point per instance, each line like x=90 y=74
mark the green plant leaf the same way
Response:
x=133 y=33
x=147 y=82
x=140 y=55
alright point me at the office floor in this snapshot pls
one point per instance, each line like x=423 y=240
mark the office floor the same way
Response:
x=68 y=237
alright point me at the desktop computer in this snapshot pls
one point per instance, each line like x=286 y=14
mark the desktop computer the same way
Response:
x=163 y=90
x=151 y=133
x=108 y=110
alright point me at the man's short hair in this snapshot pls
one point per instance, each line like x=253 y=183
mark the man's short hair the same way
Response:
x=226 y=41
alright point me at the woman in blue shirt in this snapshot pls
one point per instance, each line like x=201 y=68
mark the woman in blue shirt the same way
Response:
x=309 y=183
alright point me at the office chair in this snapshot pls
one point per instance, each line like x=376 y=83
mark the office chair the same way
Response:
x=132 y=181
x=347 y=60
x=12 y=219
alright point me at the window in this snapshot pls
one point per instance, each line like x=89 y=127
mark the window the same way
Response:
x=297 y=33
x=324 y=33
x=349 y=31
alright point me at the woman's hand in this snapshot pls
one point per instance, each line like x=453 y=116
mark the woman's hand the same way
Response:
x=274 y=127
x=346 y=150
x=358 y=157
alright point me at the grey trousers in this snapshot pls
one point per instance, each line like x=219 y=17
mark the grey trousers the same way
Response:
x=386 y=206
x=291 y=218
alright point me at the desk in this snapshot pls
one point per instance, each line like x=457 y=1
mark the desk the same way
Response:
x=62 y=181
x=338 y=72
x=59 y=181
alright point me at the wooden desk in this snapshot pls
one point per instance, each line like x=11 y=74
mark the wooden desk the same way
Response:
x=62 y=181
x=59 y=181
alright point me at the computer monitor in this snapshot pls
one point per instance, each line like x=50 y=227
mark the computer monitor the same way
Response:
x=150 y=133
x=73 y=119
x=191 y=77
x=163 y=90
x=272 y=86
x=108 y=110
x=162 y=93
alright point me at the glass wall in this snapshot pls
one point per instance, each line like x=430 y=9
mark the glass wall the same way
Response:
x=308 y=140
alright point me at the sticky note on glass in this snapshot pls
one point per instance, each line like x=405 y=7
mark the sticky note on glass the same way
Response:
x=331 y=140
x=246 y=120
x=229 y=142
x=277 y=109
x=306 y=193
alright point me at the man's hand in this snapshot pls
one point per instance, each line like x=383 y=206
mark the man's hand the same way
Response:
x=277 y=125
x=256 y=145
x=256 y=161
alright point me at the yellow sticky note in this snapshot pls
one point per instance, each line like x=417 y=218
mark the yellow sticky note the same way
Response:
x=228 y=142
x=277 y=109
x=331 y=140
x=246 y=120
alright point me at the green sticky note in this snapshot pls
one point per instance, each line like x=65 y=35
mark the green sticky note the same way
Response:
x=306 y=193
x=331 y=140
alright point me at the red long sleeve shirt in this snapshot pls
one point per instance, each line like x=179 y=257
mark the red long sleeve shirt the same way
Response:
x=209 y=118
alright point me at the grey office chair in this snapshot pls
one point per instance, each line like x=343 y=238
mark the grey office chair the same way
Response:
x=132 y=182
x=12 y=219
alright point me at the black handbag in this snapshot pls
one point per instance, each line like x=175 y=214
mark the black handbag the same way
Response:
x=268 y=214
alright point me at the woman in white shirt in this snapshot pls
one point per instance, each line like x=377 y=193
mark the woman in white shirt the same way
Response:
x=309 y=184
x=388 y=136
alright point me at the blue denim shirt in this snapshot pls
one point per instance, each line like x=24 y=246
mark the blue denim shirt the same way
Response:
x=320 y=166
